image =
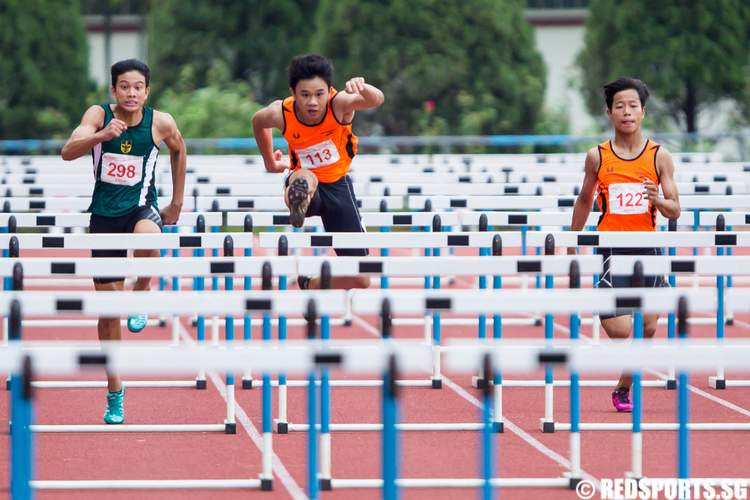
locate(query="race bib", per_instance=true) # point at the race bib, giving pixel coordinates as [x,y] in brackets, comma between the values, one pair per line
[319,155]
[628,198]
[123,170]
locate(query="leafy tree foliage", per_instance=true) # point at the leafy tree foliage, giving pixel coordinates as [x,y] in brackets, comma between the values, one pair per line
[220,109]
[467,67]
[690,53]
[43,68]
[255,38]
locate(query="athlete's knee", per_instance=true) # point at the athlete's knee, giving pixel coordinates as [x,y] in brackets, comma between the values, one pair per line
[362,282]
[617,328]
[649,331]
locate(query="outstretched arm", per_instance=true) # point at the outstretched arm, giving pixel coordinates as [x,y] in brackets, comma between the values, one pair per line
[178,160]
[87,134]
[669,203]
[357,95]
[264,121]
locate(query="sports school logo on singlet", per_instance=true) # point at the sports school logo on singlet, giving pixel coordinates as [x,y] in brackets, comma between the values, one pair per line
[627,198]
[122,170]
[318,155]
[126,146]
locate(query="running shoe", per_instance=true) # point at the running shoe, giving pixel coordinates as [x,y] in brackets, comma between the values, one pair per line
[621,400]
[303,282]
[299,199]
[137,322]
[115,413]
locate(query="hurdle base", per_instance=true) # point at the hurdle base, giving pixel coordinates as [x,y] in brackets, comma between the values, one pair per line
[247,383]
[717,383]
[282,427]
[537,321]
[7,384]
[631,475]
[498,427]
[201,384]
[729,321]
[478,382]
[325,484]
[266,484]
[230,427]
[572,481]
[162,322]
[437,383]
[671,384]
[547,426]
[347,322]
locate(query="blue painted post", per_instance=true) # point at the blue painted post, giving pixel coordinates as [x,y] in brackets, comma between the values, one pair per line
[390,433]
[488,467]
[683,407]
[574,280]
[384,251]
[312,441]
[671,382]
[637,443]
[283,251]
[548,424]
[325,390]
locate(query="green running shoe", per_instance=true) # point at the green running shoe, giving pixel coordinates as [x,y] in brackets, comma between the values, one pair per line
[115,413]
[137,322]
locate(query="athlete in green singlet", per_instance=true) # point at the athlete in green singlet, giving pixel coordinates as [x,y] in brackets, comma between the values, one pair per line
[124,140]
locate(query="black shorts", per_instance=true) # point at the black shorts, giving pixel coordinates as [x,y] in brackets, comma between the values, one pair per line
[607,280]
[336,205]
[122,224]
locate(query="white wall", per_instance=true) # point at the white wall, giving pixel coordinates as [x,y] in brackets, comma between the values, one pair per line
[559,46]
[124,45]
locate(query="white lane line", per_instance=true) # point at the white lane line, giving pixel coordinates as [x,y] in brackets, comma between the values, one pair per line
[278,467]
[536,444]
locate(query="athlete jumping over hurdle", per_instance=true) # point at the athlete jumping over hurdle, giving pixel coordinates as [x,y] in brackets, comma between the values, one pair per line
[627,173]
[316,122]
[124,140]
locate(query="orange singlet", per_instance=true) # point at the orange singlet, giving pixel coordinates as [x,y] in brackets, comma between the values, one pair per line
[622,197]
[326,148]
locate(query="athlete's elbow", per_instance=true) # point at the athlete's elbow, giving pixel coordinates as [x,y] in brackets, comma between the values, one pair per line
[67,154]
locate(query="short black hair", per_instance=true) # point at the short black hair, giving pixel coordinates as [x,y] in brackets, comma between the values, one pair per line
[621,84]
[309,66]
[121,67]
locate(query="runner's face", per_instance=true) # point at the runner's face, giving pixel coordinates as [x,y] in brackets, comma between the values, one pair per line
[627,113]
[311,98]
[131,91]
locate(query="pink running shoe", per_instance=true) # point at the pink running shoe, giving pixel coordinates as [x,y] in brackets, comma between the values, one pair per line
[621,400]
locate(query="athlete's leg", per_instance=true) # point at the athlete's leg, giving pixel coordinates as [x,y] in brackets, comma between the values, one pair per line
[109,329]
[143,283]
[301,187]
[619,328]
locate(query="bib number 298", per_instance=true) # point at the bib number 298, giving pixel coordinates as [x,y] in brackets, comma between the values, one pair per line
[122,170]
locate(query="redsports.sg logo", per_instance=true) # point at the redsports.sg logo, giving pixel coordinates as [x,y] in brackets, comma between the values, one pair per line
[668,489]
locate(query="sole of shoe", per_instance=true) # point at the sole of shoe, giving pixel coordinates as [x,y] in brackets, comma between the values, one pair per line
[298,195]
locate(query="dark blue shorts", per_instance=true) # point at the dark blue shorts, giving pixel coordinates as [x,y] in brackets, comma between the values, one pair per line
[122,224]
[607,280]
[336,205]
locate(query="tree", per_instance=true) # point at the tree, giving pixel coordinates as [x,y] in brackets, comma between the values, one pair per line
[220,109]
[466,67]
[690,53]
[255,38]
[43,68]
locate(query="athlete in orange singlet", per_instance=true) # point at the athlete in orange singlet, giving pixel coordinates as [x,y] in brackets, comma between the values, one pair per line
[627,173]
[316,121]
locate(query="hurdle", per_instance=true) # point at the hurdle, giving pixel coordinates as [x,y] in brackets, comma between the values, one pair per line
[178,303]
[297,357]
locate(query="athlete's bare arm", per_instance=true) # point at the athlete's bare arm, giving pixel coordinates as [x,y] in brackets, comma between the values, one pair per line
[268,118]
[669,203]
[357,95]
[168,132]
[585,199]
[90,133]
